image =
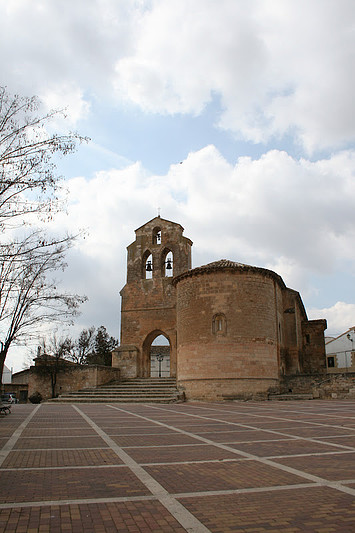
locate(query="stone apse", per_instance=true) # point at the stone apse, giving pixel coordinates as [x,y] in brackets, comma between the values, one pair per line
[234,330]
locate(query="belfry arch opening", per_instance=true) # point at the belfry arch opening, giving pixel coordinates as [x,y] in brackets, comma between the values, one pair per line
[167,264]
[159,356]
[147,265]
[156,236]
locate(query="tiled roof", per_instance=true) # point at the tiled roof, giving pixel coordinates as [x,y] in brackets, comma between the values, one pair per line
[226,264]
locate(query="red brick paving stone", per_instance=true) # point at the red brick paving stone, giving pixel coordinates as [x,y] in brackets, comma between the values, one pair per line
[8,430]
[335,420]
[179,454]
[319,431]
[142,517]
[313,510]
[240,436]
[62,484]
[61,432]
[276,424]
[286,447]
[60,442]
[197,477]
[344,441]
[60,458]
[155,440]
[154,430]
[55,424]
[197,423]
[331,467]
[207,428]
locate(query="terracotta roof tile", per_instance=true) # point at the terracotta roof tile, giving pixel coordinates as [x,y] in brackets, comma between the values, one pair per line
[226,264]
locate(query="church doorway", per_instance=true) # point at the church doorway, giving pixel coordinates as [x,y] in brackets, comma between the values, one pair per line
[160,357]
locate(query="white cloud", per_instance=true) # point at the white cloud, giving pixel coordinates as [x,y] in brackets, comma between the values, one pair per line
[69,98]
[279,66]
[340,317]
[49,45]
[293,217]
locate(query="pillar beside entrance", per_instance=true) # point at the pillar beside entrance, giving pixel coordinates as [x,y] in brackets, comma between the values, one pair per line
[126,359]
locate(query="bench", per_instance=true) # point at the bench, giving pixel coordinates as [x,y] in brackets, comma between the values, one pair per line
[5,408]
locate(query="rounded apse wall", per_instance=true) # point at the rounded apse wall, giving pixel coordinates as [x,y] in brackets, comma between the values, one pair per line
[227,330]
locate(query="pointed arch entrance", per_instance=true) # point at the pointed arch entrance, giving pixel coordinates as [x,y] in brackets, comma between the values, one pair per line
[156,355]
[160,357]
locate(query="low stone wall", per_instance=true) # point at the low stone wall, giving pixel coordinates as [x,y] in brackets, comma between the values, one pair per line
[320,386]
[226,389]
[72,378]
[323,386]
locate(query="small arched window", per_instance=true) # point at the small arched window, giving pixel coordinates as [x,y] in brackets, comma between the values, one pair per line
[156,236]
[219,324]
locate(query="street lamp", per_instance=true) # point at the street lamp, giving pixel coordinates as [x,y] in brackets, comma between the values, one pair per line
[160,358]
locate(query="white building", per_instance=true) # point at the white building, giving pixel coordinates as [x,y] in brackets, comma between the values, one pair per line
[6,375]
[340,352]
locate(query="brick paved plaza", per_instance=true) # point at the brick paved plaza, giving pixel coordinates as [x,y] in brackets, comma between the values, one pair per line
[232,467]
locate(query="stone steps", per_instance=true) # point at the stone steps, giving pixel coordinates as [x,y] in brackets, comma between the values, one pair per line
[152,390]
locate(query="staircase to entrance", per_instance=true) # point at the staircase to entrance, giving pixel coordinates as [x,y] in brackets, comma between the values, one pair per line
[139,390]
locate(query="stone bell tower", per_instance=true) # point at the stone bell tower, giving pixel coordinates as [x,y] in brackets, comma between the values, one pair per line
[148,309]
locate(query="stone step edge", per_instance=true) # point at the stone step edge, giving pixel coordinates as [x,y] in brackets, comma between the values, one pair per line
[113,400]
[98,396]
[127,391]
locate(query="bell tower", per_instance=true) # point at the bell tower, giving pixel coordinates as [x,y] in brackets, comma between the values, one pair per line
[159,253]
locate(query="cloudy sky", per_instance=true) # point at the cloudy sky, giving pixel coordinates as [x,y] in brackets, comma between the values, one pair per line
[236,118]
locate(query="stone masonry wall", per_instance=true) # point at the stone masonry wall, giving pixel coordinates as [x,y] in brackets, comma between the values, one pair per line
[247,349]
[149,305]
[323,386]
[72,378]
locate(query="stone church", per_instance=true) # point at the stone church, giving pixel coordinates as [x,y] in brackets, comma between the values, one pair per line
[229,329]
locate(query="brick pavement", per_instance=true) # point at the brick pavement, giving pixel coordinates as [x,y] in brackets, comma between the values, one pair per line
[248,467]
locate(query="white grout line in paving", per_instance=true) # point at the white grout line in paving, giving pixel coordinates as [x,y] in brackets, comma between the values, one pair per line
[10,444]
[263,460]
[86,501]
[319,413]
[339,485]
[178,495]
[175,508]
[81,467]
[274,431]
[57,449]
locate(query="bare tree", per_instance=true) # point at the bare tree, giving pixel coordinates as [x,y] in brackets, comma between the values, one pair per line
[27,162]
[83,347]
[29,295]
[29,185]
[51,358]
